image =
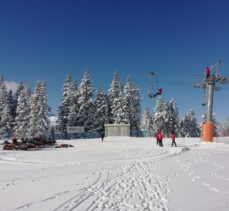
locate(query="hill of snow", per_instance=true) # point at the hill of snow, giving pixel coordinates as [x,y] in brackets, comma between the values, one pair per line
[120,173]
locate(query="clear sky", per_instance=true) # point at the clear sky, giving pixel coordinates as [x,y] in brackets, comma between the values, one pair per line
[177,39]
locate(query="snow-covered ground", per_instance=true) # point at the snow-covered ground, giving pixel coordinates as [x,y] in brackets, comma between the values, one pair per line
[117,174]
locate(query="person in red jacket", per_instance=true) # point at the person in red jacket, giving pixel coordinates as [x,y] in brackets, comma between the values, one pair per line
[159,138]
[173,137]
[207,72]
[159,92]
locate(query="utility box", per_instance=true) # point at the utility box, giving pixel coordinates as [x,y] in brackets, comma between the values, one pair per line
[117,130]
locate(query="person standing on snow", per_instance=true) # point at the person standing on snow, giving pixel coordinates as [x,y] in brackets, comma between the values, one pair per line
[207,72]
[173,137]
[102,135]
[159,137]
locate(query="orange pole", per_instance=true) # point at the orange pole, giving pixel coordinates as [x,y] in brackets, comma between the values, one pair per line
[207,131]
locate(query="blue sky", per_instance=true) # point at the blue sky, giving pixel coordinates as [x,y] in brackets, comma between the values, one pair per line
[46,40]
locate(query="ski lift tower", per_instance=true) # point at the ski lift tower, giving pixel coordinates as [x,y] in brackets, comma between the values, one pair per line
[210,85]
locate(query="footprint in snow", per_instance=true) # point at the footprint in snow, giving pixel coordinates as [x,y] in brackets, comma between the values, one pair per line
[195,178]
[214,189]
[205,184]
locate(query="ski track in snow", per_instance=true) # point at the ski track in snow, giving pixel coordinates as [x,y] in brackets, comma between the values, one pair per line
[132,187]
[128,184]
[198,157]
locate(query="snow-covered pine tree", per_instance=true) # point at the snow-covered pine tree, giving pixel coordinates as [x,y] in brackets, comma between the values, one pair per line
[114,93]
[132,107]
[34,110]
[39,124]
[73,116]
[101,111]
[86,111]
[43,122]
[159,116]
[172,122]
[11,104]
[189,126]
[64,107]
[118,112]
[224,129]
[3,95]
[136,112]
[20,87]
[128,102]
[22,113]
[147,122]
[5,126]
[5,113]
[74,106]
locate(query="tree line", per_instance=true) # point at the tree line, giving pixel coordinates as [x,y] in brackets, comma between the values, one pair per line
[26,113]
[79,107]
[165,118]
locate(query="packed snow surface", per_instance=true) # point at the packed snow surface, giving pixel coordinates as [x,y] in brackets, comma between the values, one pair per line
[121,173]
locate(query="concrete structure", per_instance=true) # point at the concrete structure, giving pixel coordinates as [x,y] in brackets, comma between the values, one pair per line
[117,130]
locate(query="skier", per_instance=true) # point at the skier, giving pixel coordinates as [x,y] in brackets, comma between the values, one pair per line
[102,136]
[159,137]
[173,137]
[207,72]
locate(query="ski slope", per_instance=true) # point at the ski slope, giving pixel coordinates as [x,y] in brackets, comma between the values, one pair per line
[121,173]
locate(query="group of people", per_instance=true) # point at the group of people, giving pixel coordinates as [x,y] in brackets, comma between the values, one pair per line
[159,138]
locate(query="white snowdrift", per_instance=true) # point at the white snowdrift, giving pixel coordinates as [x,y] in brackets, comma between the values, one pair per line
[117,174]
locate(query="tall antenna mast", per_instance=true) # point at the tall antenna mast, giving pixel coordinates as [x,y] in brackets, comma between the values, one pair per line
[211,84]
